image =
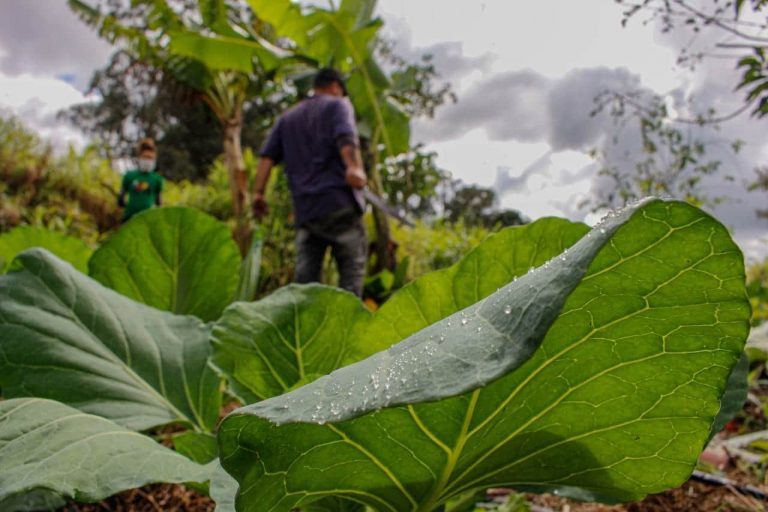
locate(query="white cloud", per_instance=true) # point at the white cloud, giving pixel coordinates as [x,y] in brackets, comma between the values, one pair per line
[36,101]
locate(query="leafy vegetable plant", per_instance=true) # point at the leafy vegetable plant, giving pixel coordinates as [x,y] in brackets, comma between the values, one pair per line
[596,376]
[551,358]
[66,247]
[176,259]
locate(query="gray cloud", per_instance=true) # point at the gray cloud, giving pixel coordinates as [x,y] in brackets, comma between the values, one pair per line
[450,61]
[572,99]
[45,37]
[448,56]
[506,183]
[509,106]
[526,106]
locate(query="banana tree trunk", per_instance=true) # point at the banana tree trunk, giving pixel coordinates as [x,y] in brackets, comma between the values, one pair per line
[238,181]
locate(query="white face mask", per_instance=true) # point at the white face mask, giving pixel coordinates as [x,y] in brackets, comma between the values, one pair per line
[146,164]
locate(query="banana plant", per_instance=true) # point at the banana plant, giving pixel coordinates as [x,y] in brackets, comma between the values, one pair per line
[551,358]
[344,38]
[202,64]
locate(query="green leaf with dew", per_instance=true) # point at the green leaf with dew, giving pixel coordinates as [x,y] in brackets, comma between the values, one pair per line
[597,375]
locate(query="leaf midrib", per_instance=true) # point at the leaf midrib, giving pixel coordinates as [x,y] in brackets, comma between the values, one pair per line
[141,383]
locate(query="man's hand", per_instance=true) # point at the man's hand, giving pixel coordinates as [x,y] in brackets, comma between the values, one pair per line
[260,206]
[356,177]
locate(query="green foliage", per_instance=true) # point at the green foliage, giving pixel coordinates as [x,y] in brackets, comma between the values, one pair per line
[616,404]
[49,446]
[436,246]
[250,269]
[286,340]
[175,259]
[757,288]
[755,80]
[279,249]
[639,323]
[740,23]
[196,446]
[65,337]
[735,395]
[71,194]
[68,248]
[673,163]
[411,181]
[475,206]
[210,195]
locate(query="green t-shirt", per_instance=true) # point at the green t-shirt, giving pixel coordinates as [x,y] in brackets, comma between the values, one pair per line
[143,188]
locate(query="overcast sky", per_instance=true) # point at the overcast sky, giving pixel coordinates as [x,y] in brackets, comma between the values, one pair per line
[526,78]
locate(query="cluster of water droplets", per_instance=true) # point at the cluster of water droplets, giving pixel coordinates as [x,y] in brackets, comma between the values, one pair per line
[407,366]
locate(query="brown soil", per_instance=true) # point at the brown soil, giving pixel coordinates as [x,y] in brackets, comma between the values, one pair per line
[690,497]
[151,498]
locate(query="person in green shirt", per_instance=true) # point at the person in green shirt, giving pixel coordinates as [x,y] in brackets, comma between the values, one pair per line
[143,186]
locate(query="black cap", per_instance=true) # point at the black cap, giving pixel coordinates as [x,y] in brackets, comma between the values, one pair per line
[328,76]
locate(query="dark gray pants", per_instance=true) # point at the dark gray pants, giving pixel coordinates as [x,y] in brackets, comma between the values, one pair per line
[344,233]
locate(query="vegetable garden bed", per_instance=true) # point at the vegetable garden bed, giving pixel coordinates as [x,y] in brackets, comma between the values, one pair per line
[593,364]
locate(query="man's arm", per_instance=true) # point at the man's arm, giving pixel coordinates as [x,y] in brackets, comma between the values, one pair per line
[260,207]
[353,161]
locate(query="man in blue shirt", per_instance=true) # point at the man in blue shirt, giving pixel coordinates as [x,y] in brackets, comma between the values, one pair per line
[318,144]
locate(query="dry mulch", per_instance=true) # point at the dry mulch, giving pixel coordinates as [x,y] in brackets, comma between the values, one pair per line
[690,497]
[150,498]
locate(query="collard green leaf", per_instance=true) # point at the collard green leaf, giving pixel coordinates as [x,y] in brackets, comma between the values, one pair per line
[223,487]
[259,347]
[47,447]
[68,248]
[293,336]
[66,337]
[735,394]
[633,333]
[33,501]
[176,259]
[196,446]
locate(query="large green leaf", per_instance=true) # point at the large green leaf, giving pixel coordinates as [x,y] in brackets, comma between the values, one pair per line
[177,259]
[223,487]
[47,447]
[33,501]
[230,53]
[213,52]
[634,331]
[362,10]
[64,336]
[285,17]
[291,337]
[65,247]
[300,333]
